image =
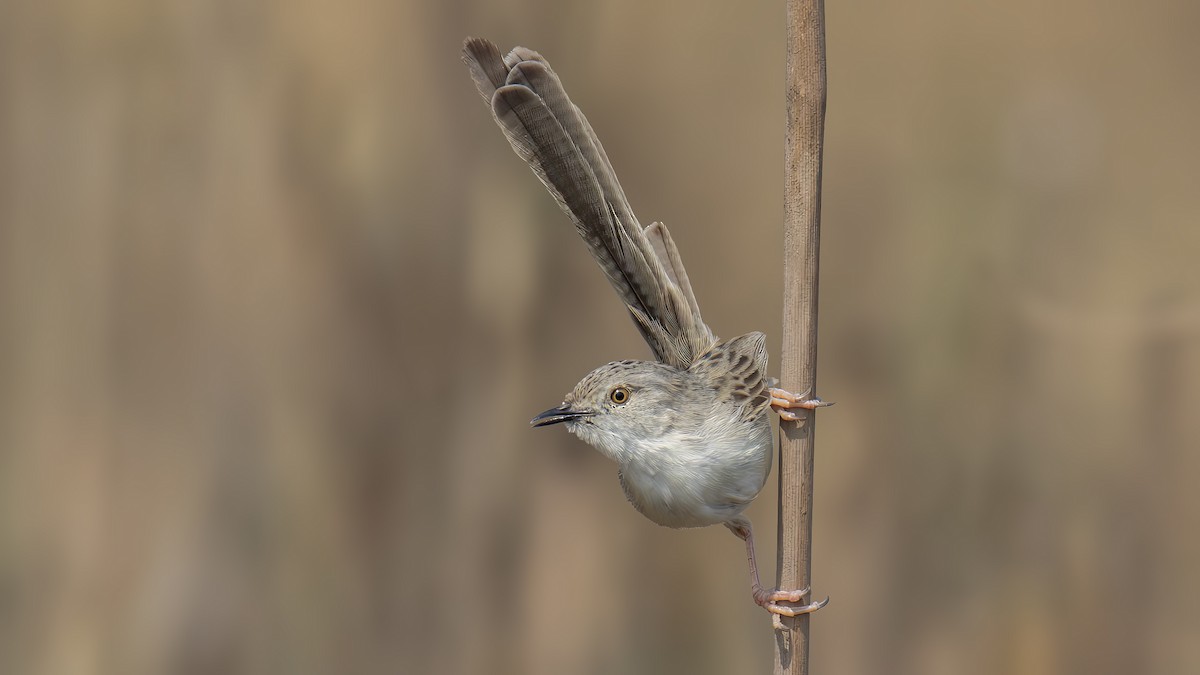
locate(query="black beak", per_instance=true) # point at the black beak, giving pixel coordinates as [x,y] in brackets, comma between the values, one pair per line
[555,415]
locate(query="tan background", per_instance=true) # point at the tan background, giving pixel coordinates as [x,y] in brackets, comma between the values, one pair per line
[277,301]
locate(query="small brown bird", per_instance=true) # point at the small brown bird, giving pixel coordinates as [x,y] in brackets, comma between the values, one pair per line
[691,431]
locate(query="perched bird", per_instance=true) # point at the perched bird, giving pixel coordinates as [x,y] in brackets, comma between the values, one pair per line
[690,431]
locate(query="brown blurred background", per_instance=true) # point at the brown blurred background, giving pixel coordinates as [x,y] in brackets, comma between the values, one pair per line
[277,302]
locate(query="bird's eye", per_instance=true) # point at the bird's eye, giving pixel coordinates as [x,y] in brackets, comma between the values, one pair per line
[619,395]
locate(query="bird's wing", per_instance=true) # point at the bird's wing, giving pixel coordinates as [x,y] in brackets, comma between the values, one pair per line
[736,369]
[549,132]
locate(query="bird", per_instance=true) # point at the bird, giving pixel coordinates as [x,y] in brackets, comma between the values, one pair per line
[689,431]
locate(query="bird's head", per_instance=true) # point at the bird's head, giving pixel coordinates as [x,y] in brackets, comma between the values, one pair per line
[622,404]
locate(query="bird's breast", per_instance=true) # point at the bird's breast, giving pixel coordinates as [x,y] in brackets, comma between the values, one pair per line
[699,477]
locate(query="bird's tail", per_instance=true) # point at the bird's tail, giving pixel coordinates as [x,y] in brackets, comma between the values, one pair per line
[551,134]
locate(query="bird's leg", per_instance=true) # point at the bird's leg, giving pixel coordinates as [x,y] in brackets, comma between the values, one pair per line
[782,401]
[765,598]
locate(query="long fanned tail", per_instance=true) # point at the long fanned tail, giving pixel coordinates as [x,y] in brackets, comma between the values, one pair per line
[551,134]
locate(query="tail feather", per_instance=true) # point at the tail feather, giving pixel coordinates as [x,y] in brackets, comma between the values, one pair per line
[551,134]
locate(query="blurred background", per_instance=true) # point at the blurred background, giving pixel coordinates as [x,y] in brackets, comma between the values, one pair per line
[277,302]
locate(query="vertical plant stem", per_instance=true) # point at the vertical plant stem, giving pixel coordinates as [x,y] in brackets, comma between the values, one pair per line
[801,241]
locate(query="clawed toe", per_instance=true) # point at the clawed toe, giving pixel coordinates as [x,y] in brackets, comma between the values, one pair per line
[765,597]
[787,610]
[788,596]
[770,601]
[782,401]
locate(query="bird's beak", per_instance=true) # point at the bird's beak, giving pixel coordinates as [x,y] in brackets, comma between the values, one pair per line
[562,413]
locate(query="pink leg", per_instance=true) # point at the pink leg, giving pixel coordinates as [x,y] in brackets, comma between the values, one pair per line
[782,401]
[769,599]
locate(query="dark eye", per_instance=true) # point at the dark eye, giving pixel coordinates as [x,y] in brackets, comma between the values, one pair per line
[619,395]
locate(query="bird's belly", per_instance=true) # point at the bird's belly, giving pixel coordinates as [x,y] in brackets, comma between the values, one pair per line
[696,486]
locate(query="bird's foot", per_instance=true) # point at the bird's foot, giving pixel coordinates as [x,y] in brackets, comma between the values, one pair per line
[770,599]
[783,401]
